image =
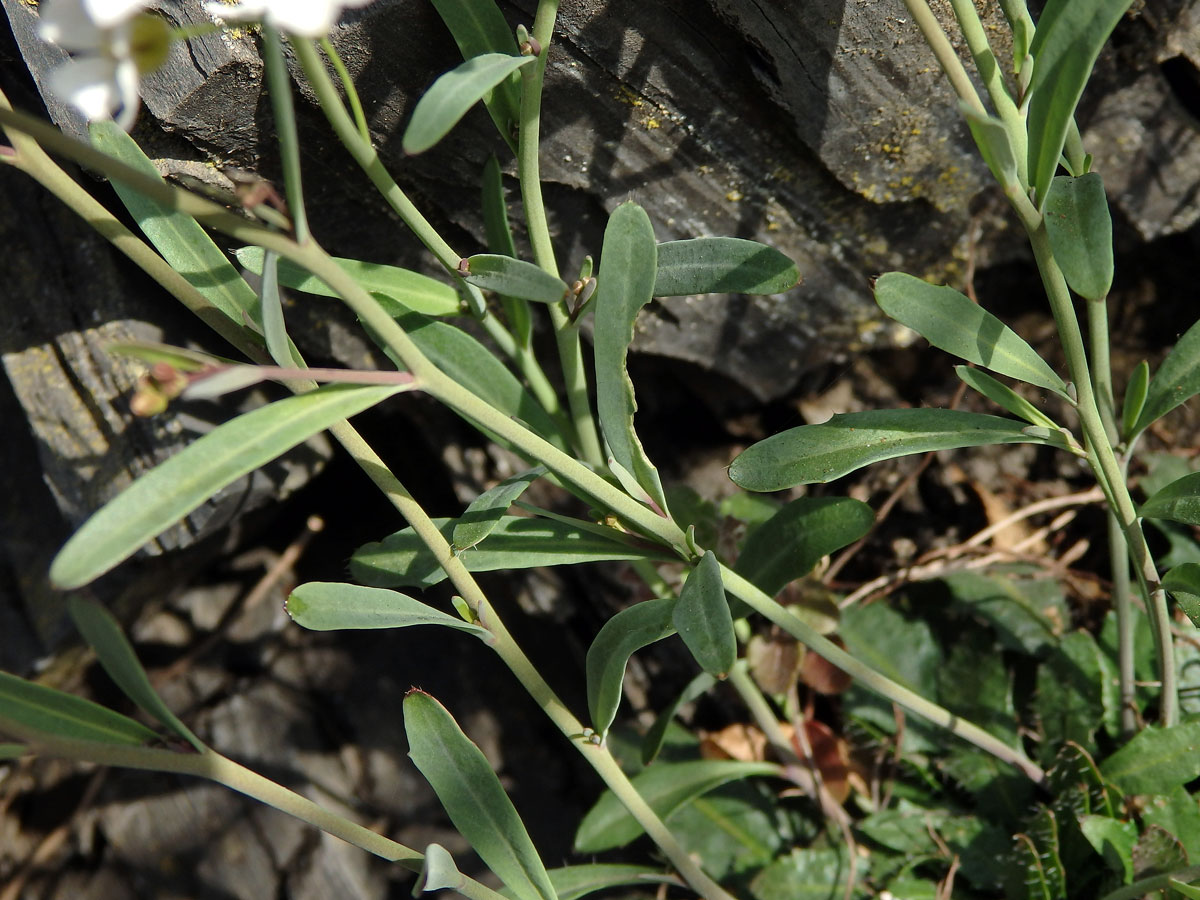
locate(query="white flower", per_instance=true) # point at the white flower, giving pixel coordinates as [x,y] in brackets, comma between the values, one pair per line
[112,41]
[304,18]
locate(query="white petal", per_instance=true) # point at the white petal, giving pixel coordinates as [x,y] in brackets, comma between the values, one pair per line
[90,85]
[248,10]
[67,23]
[306,18]
[107,13]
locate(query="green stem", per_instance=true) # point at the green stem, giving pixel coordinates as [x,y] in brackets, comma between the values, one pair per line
[510,652]
[1147,886]
[570,351]
[873,680]
[343,75]
[1106,468]
[280,91]
[364,154]
[993,80]
[951,65]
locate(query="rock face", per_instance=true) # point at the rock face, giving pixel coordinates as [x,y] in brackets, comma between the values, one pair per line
[822,127]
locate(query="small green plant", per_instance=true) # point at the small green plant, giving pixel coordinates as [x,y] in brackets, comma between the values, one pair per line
[1053,786]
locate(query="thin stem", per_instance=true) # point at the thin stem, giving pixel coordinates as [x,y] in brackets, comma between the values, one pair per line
[280,90]
[1147,886]
[364,154]
[343,75]
[526,673]
[566,335]
[951,65]
[993,80]
[1107,470]
[873,680]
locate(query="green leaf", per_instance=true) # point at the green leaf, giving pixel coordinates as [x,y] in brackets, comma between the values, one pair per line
[485,512]
[515,278]
[791,543]
[619,638]
[1003,396]
[1179,501]
[1157,851]
[1113,839]
[751,510]
[449,98]
[1069,699]
[1183,582]
[28,710]
[1028,614]
[1136,392]
[13,751]
[438,872]
[167,493]
[1156,759]
[1069,37]
[808,874]
[665,786]
[500,240]
[1038,854]
[702,618]
[654,738]
[975,684]
[472,365]
[518,542]
[177,236]
[472,796]
[479,27]
[849,441]
[327,606]
[1188,891]
[573,882]
[951,322]
[1080,231]
[279,345]
[736,829]
[995,146]
[625,284]
[1176,381]
[416,292]
[1177,812]
[721,265]
[116,655]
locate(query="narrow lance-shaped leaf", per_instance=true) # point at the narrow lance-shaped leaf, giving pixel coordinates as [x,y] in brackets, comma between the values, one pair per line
[472,365]
[951,322]
[177,236]
[702,618]
[1179,501]
[449,98]
[472,796]
[721,265]
[791,543]
[327,606]
[418,293]
[1176,381]
[1136,392]
[29,710]
[479,27]
[116,655]
[625,285]
[1183,582]
[517,542]
[620,637]
[173,489]
[666,787]
[1069,37]
[1003,396]
[271,303]
[514,277]
[1080,230]
[573,882]
[820,453]
[485,511]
